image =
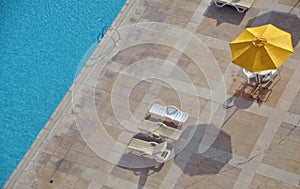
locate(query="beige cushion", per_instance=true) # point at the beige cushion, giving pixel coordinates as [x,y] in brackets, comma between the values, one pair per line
[161,129]
[244,3]
[147,147]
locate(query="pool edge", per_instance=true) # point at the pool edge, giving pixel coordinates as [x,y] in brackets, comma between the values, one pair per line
[66,100]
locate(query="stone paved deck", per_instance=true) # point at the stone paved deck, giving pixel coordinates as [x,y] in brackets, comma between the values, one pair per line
[174,52]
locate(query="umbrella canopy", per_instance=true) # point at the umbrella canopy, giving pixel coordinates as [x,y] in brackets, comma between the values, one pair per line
[261,48]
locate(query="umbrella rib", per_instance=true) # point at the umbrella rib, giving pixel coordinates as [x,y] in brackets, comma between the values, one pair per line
[270,51]
[268,54]
[247,48]
[277,46]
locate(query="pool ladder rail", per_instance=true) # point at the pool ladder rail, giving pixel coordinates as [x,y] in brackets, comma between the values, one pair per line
[112,36]
[107,31]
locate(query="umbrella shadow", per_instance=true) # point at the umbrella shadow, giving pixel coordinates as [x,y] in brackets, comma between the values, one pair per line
[285,21]
[218,154]
[227,14]
[144,173]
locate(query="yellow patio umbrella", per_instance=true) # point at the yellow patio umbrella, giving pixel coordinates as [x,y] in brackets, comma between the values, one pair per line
[261,48]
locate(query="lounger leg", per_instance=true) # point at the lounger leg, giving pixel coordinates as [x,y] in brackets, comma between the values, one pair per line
[176,123]
[142,153]
[219,4]
[241,10]
[271,77]
[256,78]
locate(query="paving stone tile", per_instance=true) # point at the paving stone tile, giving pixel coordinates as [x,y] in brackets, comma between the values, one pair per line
[229,175]
[55,185]
[47,172]
[72,155]
[59,177]
[225,31]
[83,160]
[106,187]
[61,152]
[113,132]
[34,168]
[67,141]
[40,183]
[76,170]
[65,166]
[74,132]
[27,179]
[70,181]
[283,151]
[50,148]
[42,158]
[21,186]
[125,174]
[244,128]
[294,108]
[260,181]
[95,185]
[222,57]
[82,183]
[97,176]
[78,145]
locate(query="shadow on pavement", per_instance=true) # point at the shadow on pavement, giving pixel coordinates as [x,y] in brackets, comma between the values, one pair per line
[144,173]
[212,160]
[227,14]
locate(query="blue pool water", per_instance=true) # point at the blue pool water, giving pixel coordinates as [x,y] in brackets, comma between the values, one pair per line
[41,46]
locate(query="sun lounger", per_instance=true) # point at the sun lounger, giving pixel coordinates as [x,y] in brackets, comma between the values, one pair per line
[157,150]
[162,157]
[171,112]
[240,5]
[150,148]
[222,3]
[243,5]
[161,129]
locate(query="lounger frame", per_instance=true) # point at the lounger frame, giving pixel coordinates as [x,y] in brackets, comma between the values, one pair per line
[240,5]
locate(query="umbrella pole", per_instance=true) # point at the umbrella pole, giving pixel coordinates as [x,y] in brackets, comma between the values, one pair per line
[257,78]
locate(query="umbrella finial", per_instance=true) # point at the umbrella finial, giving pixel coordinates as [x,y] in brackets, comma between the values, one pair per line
[259,41]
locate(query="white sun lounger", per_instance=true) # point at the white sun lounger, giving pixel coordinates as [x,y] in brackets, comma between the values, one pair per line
[243,5]
[157,150]
[222,3]
[240,5]
[171,112]
[161,129]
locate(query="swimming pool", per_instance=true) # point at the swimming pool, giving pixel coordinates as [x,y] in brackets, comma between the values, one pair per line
[42,43]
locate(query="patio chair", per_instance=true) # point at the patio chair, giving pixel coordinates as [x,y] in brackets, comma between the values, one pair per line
[160,129]
[171,112]
[269,76]
[249,75]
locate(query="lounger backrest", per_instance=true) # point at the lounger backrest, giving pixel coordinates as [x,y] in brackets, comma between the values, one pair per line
[168,132]
[160,148]
[141,145]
